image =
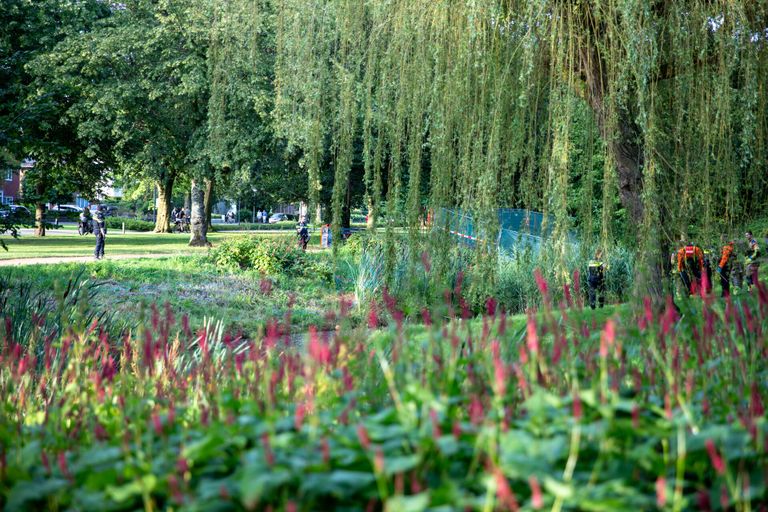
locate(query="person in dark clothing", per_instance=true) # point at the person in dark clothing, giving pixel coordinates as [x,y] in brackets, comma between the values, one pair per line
[752,261]
[727,255]
[596,280]
[100,230]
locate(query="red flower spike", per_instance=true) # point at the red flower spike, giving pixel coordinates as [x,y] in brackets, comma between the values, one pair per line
[173,485]
[476,413]
[661,492]
[298,419]
[714,457]
[373,317]
[504,492]
[456,430]
[325,449]
[577,411]
[490,306]
[537,501]
[532,338]
[46,463]
[702,499]
[378,460]
[436,431]
[362,436]
[541,283]
[62,462]
[425,262]
[724,497]
[268,455]
[426,317]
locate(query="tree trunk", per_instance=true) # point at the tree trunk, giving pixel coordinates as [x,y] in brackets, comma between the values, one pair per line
[623,142]
[208,200]
[371,217]
[39,219]
[164,196]
[198,224]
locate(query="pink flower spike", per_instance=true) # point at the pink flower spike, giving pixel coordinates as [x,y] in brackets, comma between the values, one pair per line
[362,436]
[541,283]
[661,491]
[532,338]
[577,411]
[536,500]
[714,457]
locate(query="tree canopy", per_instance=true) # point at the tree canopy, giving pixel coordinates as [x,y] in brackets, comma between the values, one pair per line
[485,101]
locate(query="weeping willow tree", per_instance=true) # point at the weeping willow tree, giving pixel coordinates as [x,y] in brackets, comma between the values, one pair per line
[473,105]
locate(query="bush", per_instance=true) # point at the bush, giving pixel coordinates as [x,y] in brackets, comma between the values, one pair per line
[249,226]
[130,224]
[268,256]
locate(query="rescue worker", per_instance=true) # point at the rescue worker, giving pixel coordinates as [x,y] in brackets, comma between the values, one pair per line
[727,257]
[100,230]
[690,265]
[707,284]
[737,268]
[596,280]
[752,262]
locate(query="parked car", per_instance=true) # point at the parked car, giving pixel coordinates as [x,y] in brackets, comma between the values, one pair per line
[66,208]
[107,209]
[16,210]
[279,217]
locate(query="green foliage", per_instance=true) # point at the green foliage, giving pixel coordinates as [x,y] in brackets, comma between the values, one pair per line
[564,412]
[130,224]
[249,226]
[269,256]
[35,314]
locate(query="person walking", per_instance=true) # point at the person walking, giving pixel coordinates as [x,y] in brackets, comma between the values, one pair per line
[727,255]
[100,230]
[596,280]
[752,262]
[690,265]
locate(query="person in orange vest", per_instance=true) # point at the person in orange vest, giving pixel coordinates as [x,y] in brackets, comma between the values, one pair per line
[690,265]
[727,257]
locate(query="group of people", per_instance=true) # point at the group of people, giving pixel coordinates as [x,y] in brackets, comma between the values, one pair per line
[262,216]
[180,218]
[695,266]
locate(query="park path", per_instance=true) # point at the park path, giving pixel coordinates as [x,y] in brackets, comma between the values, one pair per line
[18,262]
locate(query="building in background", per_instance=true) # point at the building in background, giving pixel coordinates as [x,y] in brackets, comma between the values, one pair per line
[12,182]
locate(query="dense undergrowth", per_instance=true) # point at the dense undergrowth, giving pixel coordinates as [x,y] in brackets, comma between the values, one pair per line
[412,280]
[651,411]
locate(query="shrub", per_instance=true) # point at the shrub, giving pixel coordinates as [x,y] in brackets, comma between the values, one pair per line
[249,226]
[130,224]
[266,255]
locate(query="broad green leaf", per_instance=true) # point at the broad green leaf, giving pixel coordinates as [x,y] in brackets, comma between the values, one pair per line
[416,503]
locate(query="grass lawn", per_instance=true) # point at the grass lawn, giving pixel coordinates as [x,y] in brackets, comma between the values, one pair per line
[194,286]
[53,245]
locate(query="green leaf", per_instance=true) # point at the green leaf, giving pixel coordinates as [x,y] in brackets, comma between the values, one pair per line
[145,484]
[258,482]
[416,503]
[401,464]
[26,493]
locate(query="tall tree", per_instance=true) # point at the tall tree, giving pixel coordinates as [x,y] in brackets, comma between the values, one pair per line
[32,107]
[483,97]
[142,73]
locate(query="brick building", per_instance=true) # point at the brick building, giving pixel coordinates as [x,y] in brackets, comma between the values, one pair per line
[11,179]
